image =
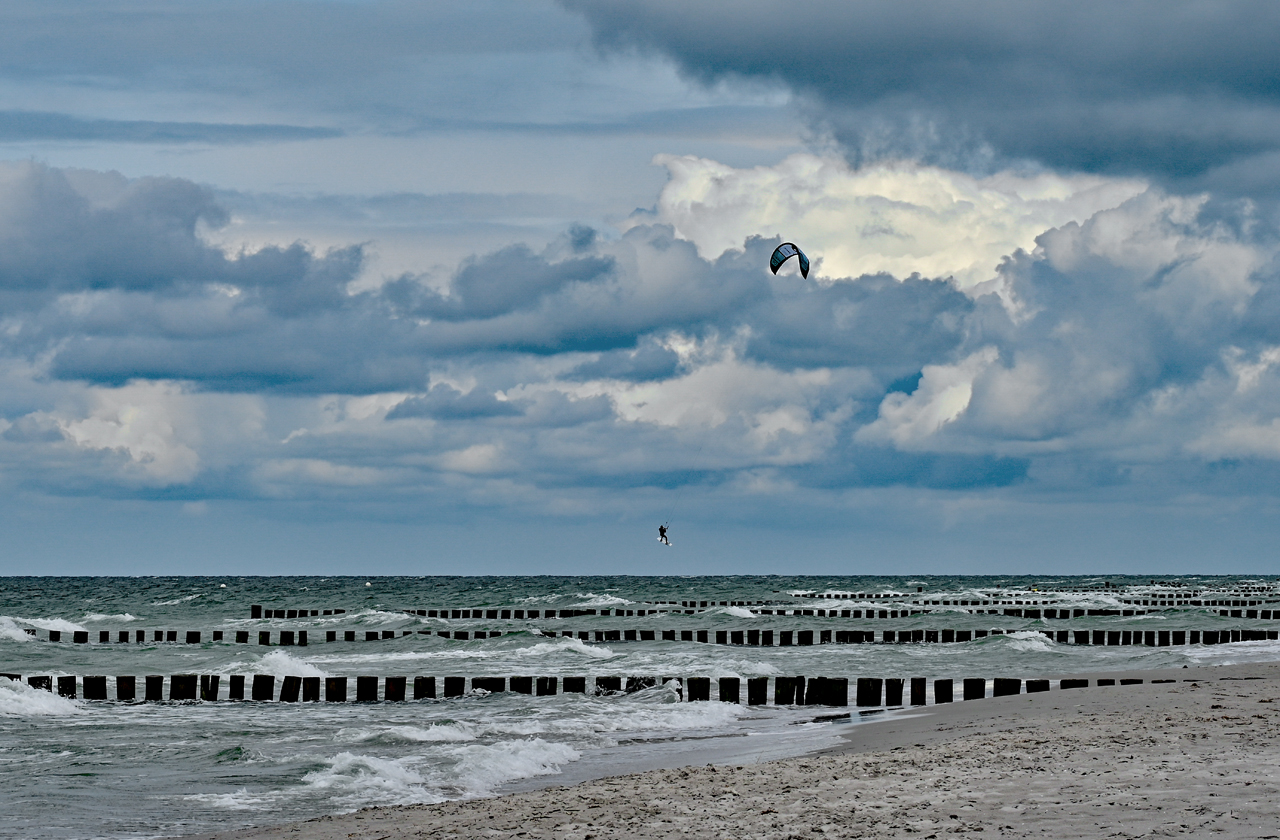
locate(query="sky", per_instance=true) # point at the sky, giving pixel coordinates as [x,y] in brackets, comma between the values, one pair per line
[370,287]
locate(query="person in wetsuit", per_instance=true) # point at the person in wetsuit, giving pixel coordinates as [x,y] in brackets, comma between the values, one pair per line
[662,535]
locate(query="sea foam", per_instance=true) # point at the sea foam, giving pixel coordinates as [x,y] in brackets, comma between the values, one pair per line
[19,700]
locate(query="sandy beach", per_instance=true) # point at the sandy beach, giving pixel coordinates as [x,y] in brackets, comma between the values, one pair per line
[1199,756]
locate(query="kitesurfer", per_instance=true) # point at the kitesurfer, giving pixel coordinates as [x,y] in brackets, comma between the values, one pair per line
[662,535]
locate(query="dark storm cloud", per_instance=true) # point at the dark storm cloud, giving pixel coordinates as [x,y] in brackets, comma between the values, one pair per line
[26,126]
[1165,89]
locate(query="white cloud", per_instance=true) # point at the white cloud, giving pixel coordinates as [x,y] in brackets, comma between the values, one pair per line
[151,422]
[898,218]
[943,395]
[480,458]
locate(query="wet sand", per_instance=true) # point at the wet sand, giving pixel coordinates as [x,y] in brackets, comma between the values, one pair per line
[1199,756]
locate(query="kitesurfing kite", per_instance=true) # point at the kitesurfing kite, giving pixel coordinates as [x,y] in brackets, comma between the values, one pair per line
[786,251]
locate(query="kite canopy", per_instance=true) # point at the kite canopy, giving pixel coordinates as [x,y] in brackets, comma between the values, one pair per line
[786,251]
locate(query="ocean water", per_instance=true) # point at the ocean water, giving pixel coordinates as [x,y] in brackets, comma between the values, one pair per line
[79,769]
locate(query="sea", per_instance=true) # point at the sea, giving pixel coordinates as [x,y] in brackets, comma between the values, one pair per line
[76,768]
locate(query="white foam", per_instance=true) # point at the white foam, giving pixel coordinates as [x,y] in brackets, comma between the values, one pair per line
[1029,640]
[51,624]
[484,768]
[281,664]
[379,616]
[175,601]
[439,733]
[20,700]
[665,717]
[10,630]
[737,612]
[357,780]
[593,600]
[241,800]
[565,644]
[120,617]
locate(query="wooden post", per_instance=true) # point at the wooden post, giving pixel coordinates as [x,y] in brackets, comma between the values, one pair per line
[893,692]
[424,688]
[1035,686]
[869,691]
[264,687]
[942,691]
[366,689]
[603,684]
[154,688]
[827,691]
[757,691]
[522,685]
[126,688]
[730,690]
[546,686]
[290,689]
[209,686]
[918,687]
[788,691]
[264,637]
[95,688]
[454,686]
[393,689]
[310,689]
[235,687]
[1005,686]
[335,689]
[193,637]
[574,685]
[698,688]
[635,684]
[975,688]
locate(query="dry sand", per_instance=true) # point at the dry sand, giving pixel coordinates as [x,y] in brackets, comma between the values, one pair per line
[1198,757]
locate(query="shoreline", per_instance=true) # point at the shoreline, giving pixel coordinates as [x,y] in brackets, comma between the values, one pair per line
[1197,755]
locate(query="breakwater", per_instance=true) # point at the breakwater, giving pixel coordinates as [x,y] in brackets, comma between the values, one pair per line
[759,691]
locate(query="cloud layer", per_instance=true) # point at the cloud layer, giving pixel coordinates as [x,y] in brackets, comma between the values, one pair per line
[1133,348]
[1170,91]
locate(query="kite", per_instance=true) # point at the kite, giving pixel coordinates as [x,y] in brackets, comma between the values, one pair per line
[786,251]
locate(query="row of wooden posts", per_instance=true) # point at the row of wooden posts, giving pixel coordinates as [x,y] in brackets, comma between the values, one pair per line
[787,691]
[1050,613]
[755,638]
